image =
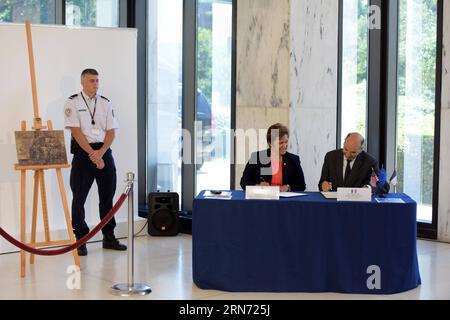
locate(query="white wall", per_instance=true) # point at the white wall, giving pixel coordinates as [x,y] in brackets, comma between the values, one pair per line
[61,53]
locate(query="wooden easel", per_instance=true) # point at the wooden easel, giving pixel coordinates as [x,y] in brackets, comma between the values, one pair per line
[39,182]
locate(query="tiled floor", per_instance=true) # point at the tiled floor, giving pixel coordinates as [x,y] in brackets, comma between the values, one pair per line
[165,264]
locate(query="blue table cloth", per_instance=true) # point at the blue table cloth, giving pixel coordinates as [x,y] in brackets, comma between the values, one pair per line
[304,244]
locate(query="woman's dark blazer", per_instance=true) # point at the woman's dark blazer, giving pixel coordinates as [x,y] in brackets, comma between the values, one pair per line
[258,170]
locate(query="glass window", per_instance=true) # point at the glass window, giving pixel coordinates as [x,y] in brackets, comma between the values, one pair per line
[165,51]
[94,13]
[42,12]
[416,102]
[213,116]
[355,33]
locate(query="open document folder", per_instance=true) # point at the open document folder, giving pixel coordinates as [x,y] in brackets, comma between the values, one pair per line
[224,195]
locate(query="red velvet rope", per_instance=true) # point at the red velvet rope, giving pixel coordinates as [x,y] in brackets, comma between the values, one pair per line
[72,247]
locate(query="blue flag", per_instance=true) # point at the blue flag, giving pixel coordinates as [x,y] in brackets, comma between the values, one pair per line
[382,176]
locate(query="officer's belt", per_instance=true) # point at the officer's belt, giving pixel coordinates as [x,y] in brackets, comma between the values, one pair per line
[96,146]
[75,147]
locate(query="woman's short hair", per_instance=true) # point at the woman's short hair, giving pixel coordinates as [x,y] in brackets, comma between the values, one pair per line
[280,132]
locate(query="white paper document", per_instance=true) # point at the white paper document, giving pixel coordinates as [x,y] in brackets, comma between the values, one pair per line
[329,195]
[291,194]
[224,195]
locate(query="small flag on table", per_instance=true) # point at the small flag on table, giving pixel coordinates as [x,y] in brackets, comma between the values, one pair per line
[374,179]
[393,179]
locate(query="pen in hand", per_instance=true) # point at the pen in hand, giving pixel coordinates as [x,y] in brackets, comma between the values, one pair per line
[263,182]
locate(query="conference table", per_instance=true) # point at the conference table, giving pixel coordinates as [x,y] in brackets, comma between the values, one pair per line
[305,244]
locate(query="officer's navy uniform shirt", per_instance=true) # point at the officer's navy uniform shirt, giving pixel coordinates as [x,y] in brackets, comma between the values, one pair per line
[81,114]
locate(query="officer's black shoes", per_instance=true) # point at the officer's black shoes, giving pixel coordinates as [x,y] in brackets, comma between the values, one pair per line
[82,251]
[110,242]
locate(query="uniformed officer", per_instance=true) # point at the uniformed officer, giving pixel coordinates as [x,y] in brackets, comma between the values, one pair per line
[90,117]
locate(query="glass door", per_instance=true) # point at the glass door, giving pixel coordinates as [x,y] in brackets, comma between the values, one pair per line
[213,114]
[416,103]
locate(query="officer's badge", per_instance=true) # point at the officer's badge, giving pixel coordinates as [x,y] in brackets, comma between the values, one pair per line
[68,112]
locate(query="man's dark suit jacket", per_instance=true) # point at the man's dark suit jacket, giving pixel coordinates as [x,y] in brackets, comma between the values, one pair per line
[292,171]
[332,170]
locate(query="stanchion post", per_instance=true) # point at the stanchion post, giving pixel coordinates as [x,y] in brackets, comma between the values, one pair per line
[131,288]
[130,179]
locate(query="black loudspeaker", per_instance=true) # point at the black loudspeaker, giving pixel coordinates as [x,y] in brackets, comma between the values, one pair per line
[163,214]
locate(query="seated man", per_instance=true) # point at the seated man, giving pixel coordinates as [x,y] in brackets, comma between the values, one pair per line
[350,167]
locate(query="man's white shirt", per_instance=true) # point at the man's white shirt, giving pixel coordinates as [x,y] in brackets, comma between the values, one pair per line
[94,116]
[345,165]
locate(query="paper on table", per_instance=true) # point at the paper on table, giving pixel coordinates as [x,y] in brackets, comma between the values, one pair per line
[291,194]
[329,195]
[389,200]
[226,195]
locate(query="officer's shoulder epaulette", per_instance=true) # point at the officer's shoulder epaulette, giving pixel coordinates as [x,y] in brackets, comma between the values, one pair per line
[105,98]
[74,96]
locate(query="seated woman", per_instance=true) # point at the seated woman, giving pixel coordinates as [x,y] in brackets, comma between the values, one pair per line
[275,166]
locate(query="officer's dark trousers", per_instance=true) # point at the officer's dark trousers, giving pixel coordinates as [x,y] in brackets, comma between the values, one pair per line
[82,175]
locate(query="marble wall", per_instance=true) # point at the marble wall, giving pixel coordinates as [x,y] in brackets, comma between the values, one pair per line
[314,71]
[287,62]
[292,47]
[263,67]
[444,171]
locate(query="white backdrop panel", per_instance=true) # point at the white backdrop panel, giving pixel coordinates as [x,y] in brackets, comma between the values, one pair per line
[61,53]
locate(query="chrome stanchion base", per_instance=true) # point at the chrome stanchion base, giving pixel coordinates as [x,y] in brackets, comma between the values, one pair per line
[123,290]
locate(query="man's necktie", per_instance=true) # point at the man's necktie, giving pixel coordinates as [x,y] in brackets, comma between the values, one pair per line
[348,169]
